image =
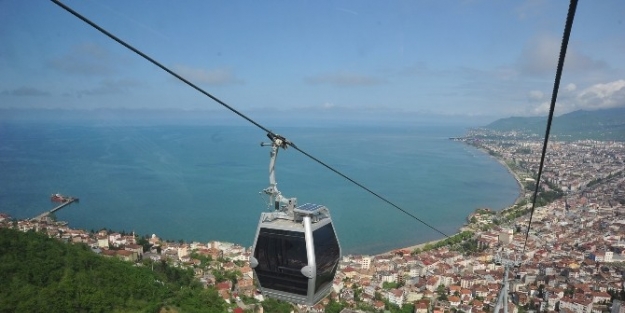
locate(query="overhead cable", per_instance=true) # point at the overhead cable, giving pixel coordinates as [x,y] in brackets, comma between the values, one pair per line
[556,85]
[269,132]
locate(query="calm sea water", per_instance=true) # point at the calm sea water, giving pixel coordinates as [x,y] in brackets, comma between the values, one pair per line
[201,183]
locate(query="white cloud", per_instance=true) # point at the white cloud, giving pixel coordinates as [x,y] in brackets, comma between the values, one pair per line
[352,12]
[540,57]
[110,87]
[86,59]
[24,91]
[603,96]
[343,79]
[570,87]
[542,109]
[219,76]
[595,97]
[530,8]
[536,95]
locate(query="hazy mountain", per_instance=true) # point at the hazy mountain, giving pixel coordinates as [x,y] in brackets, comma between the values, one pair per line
[606,124]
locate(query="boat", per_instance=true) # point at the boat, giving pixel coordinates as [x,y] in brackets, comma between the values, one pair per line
[57,197]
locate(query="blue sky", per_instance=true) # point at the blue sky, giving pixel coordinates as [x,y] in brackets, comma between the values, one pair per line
[485,59]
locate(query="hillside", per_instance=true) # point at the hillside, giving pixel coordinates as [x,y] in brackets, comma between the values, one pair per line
[40,274]
[598,125]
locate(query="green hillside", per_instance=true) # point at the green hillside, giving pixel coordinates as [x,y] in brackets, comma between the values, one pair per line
[598,125]
[40,274]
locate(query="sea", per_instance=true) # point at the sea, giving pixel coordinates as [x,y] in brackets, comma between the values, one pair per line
[204,182]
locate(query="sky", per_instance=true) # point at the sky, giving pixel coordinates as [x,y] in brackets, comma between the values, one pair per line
[461,59]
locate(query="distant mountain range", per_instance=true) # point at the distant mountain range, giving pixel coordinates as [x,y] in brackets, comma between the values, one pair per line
[606,124]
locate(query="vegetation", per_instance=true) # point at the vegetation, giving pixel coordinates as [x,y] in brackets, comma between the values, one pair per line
[390,285]
[40,274]
[599,180]
[406,308]
[277,306]
[334,307]
[595,125]
[441,291]
[456,242]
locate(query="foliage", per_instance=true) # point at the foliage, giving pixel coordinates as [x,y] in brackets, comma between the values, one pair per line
[223,275]
[334,307]
[456,239]
[142,241]
[277,306]
[247,300]
[389,285]
[442,292]
[604,125]
[40,274]
[406,308]
[469,246]
[205,259]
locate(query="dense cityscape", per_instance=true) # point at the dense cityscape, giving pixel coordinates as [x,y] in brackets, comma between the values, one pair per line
[571,260]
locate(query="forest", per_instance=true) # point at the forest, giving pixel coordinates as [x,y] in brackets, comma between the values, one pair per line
[41,274]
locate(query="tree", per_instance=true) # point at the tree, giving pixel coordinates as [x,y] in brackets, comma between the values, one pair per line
[442,292]
[357,293]
[277,306]
[61,277]
[389,285]
[378,296]
[334,307]
[144,243]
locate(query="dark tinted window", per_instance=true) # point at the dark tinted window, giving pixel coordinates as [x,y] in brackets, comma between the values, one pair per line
[281,255]
[326,254]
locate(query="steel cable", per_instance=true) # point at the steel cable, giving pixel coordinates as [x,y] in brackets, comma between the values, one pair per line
[556,85]
[269,132]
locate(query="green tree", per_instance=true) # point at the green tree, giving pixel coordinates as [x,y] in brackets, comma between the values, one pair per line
[334,307]
[277,306]
[388,285]
[39,274]
[442,292]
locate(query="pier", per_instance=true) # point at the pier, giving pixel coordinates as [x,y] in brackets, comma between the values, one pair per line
[67,201]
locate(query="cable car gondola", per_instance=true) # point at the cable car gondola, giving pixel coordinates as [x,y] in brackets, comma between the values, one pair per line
[296,252]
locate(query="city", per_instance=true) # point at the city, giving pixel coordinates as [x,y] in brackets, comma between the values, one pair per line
[571,260]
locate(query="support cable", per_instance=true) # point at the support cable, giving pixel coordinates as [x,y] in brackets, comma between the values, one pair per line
[556,85]
[269,132]
[163,67]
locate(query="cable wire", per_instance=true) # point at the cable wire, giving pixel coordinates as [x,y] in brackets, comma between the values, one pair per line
[163,67]
[556,85]
[269,132]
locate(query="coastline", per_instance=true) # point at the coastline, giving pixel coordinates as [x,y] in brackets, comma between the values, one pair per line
[176,185]
[464,227]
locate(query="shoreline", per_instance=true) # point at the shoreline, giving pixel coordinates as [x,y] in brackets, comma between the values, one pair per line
[464,227]
[431,242]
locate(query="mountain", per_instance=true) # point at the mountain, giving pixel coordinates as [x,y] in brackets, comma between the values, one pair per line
[606,124]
